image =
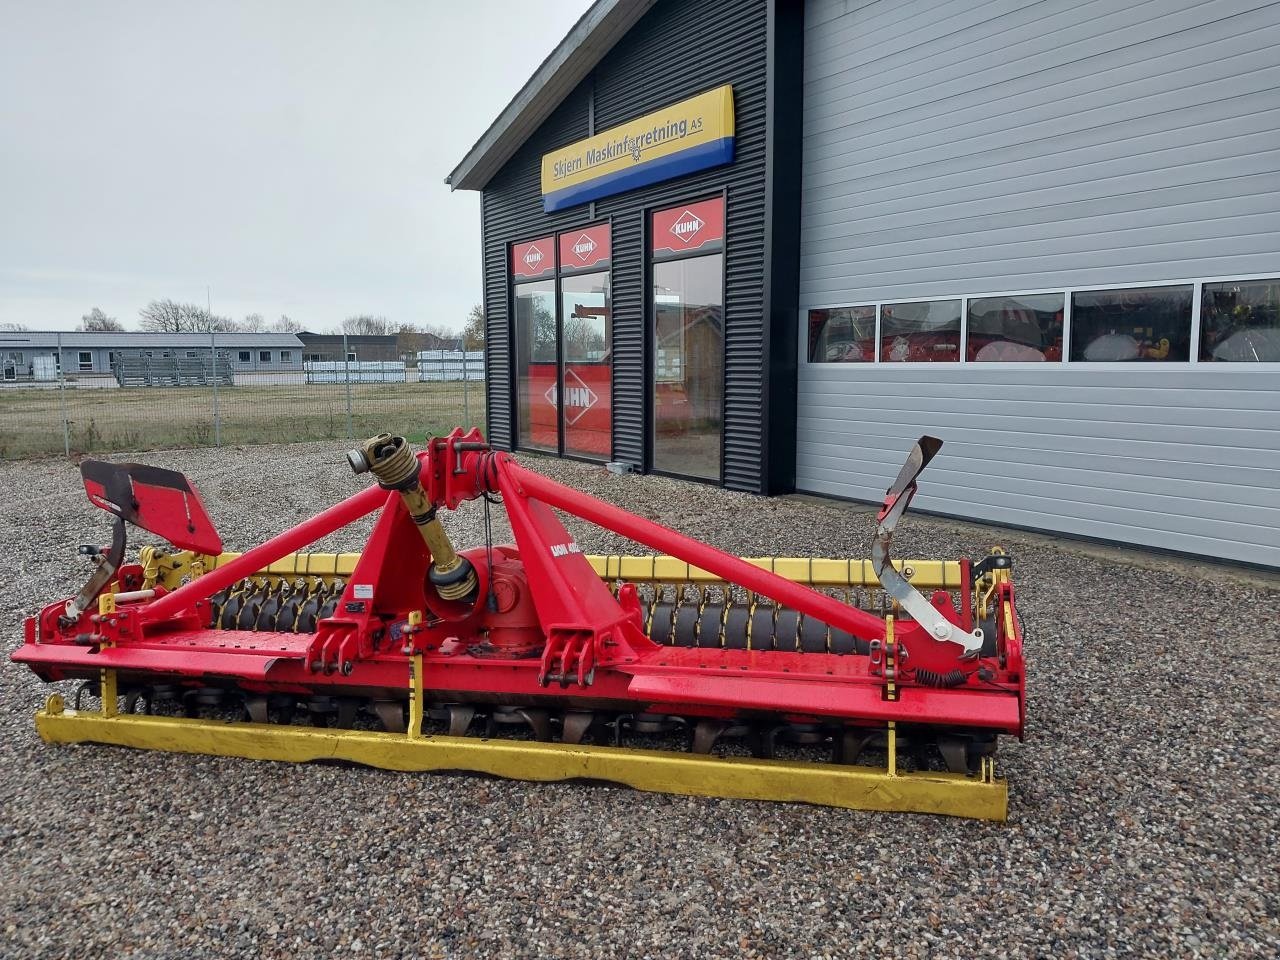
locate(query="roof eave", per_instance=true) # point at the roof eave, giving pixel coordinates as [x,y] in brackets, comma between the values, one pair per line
[573,59]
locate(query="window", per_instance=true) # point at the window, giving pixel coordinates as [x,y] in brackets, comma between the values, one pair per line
[588,383]
[687,247]
[1240,321]
[537,402]
[286,356]
[1025,328]
[85,360]
[1142,324]
[264,356]
[191,354]
[921,332]
[351,357]
[244,356]
[842,335]
[688,357]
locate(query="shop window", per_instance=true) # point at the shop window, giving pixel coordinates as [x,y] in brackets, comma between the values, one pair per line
[842,334]
[85,359]
[563,332]
[535,333]
[1240,321]
[1138,324]
[1017,329]
[586,337]
[920,332]
[244,356]
[688,339]
[533,270]
[586,328]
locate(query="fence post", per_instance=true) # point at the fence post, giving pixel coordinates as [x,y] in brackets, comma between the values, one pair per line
[466,400]
[62,401]
[217,415]
[346,365]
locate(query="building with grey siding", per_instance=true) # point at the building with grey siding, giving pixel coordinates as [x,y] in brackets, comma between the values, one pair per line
[339,347]
[767,243]
[25,355]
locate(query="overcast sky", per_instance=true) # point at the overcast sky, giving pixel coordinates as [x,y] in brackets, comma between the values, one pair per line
[289,155]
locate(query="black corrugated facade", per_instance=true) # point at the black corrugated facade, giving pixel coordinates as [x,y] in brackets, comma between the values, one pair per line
[678,49]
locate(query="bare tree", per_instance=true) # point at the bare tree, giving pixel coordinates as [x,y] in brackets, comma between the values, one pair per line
[252,323]
[440,335]
[164,316]
[473,329]
[169,316]
[202,321]
[544,334]
[13,328]
[95,321]
[413,338]
[367,325]
[410,340]
[286,325]
[582,340]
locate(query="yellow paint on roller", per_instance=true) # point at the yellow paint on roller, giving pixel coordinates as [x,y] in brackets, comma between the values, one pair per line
[851,787]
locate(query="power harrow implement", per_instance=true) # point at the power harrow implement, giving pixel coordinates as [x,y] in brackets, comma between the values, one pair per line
[872,684]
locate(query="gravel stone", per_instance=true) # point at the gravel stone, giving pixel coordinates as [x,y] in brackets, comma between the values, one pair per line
[1143,804]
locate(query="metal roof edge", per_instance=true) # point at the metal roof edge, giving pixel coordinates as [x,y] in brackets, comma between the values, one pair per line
[573,59]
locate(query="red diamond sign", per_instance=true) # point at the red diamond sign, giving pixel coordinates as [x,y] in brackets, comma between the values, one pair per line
[532,257]
[578,398]
[583,247]
[686,226]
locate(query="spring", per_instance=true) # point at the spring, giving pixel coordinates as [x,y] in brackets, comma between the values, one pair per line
[933,678]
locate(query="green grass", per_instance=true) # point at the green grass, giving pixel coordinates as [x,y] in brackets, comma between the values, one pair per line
[101,421]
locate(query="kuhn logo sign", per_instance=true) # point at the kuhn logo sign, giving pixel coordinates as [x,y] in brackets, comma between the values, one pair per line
[578,398]
[585,249]
[690,227]
[687,226]
[535,258]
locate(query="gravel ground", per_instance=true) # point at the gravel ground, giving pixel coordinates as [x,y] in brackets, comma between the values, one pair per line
[1143,804]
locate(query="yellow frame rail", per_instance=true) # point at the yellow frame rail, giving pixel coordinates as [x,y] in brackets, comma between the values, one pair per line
[856,788]
[170,569]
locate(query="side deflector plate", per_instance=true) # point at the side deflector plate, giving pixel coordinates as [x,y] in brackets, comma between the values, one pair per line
[163,502]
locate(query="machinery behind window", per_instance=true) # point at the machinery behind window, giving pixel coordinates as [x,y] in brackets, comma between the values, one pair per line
[873,684]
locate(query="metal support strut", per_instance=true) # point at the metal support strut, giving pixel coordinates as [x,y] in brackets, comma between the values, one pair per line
[895,584]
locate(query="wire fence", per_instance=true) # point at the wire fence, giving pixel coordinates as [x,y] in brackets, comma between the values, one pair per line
[163,398]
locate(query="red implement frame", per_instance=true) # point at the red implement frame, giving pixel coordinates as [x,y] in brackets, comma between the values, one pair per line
[593,645]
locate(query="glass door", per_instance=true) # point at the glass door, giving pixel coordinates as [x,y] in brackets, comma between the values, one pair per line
[534,336]
[586,337]
[562,328]
[687,398]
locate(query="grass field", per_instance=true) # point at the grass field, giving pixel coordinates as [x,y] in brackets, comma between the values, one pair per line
[31,420]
